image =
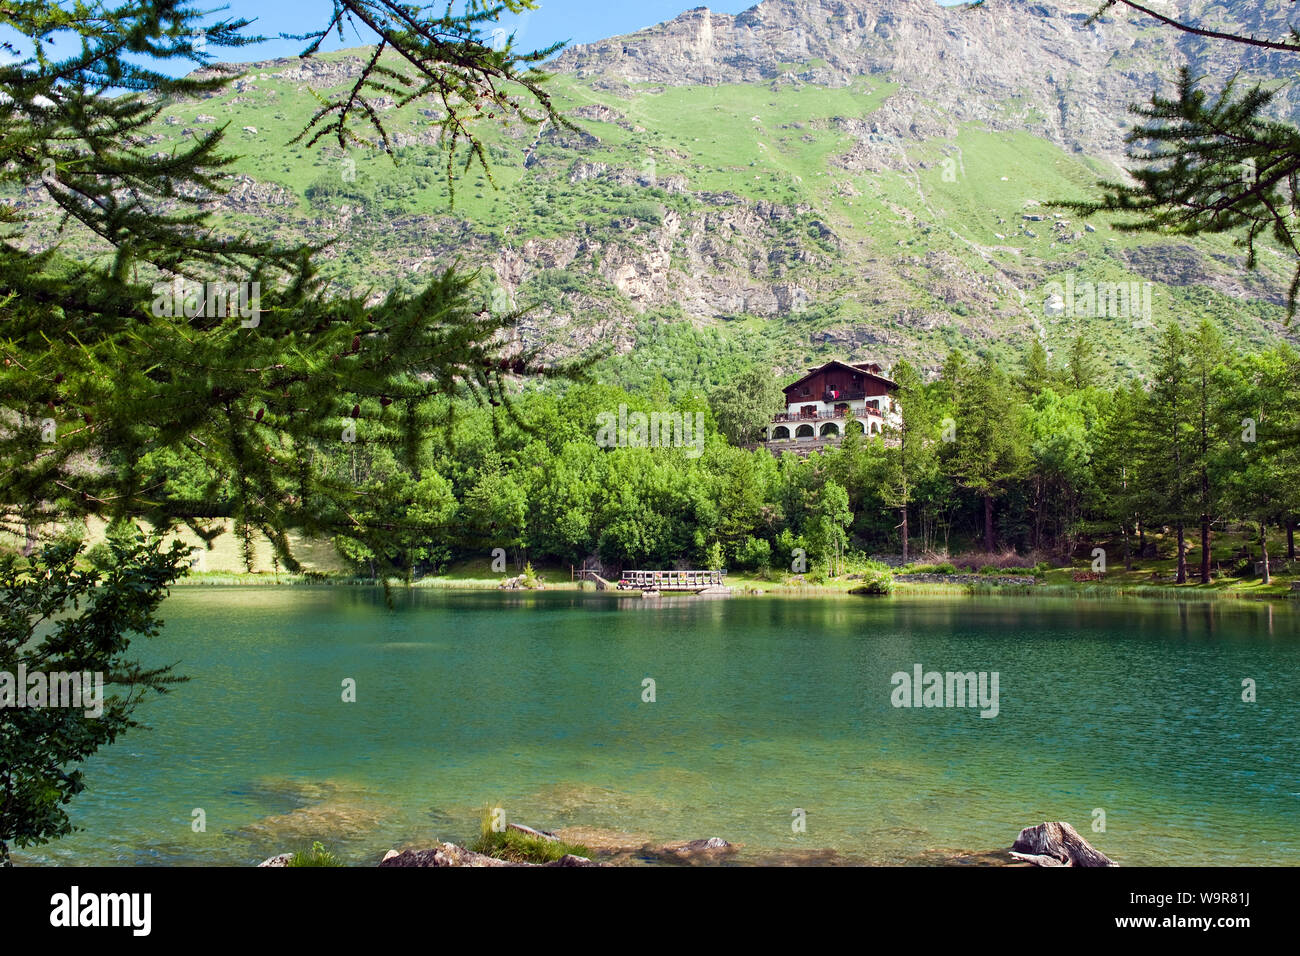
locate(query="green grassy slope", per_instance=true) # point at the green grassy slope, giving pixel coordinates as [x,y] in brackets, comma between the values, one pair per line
[912,248]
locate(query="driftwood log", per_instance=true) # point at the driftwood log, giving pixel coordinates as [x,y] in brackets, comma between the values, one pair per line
[1056,844]
[529,831]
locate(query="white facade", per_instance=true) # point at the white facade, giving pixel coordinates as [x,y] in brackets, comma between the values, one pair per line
[818,406]
[826,423]
[858,407]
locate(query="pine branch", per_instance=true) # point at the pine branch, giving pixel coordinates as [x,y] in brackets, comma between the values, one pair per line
[1210,166]
[1290,46]
[98,383]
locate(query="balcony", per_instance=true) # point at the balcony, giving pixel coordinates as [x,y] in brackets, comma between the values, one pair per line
[838,414]
[851,395]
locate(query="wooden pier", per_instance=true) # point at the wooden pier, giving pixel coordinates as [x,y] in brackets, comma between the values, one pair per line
[694,582]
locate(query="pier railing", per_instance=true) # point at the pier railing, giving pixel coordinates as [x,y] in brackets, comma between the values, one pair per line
[670,580]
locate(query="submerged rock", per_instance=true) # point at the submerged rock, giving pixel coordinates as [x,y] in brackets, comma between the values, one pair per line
[693,852]
[448,854]
[605,843]
[699,846]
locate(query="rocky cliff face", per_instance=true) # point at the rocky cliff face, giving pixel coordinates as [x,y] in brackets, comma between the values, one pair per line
[1011,64]
[861,177]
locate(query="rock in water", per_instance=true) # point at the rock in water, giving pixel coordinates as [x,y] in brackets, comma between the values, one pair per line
[1056,844]
[712,843]
[448,854]
[693,850]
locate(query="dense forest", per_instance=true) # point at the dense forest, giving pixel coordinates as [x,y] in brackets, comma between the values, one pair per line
[414,428]
[1044,460]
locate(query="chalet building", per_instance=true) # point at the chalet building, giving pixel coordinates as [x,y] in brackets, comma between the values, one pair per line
[834,399]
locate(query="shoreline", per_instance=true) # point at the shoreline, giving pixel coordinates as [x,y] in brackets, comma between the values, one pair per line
[757,588]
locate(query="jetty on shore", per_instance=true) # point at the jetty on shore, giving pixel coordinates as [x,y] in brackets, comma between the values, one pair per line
[688,582]
[654,583]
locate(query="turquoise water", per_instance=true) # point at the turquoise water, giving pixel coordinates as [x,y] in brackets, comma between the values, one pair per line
[533,703]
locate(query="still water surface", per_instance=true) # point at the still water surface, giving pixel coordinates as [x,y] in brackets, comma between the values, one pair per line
[534,703]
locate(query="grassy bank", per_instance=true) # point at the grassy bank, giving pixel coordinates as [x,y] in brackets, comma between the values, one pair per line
[222,566]
[1055,582]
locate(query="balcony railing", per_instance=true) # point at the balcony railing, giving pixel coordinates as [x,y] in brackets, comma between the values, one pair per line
[837,414]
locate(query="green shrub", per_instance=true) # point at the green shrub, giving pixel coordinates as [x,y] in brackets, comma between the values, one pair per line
[946,568]
[559,280]
[714,559]
[331,189]
[521,847]
[876,582]
[316,856]
[755,553]
[862,564]
[651,212]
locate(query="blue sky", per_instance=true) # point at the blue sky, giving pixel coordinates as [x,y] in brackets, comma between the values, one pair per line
[576,21]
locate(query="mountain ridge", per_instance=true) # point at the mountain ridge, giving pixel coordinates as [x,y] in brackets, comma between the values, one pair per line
[887,200]
[933,50]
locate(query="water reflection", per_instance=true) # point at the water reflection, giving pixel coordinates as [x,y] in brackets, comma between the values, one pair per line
[532,701]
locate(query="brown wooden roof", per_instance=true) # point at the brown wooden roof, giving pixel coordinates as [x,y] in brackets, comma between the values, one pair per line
[864,368]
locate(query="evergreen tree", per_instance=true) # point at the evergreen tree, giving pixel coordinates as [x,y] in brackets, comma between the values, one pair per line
[989,448]
[1081,363]
[1260,462]
[173,339]
[223,350]
[1037,374]
[1124,493]
[1205,355]
[1168,437]
[1060,447]
[743,406]
[1206,164]
[913,457]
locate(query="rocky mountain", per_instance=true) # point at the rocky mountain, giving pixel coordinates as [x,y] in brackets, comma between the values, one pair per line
[868,178]
[952,64]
